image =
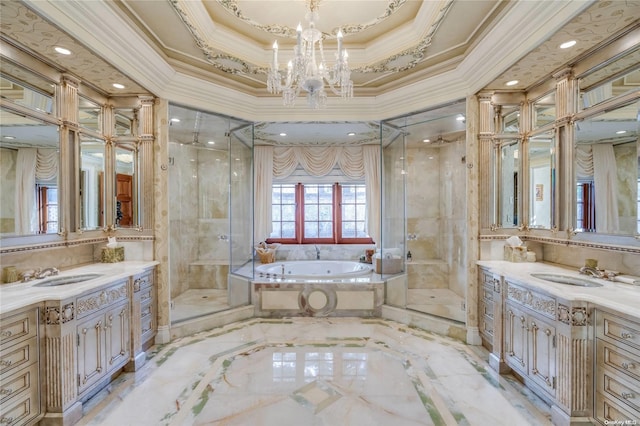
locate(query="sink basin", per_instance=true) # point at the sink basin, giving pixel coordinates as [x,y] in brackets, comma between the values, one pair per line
[69,279]
[567,279]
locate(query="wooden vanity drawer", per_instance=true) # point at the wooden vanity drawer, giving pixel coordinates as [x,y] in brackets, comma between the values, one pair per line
[621,390]
[487,293]
[618,329]
[487,310]
[22,409]
[609,412]
[487,325]
[101,299]
[625,362]
[142,281]
[19,382]
[18,327]
[18,356]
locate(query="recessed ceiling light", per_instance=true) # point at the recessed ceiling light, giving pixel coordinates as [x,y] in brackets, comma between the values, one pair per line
[460,118]
[568,44]
[283,134]
[118,85]
[211,142]
[8,137]
[351,134]
[175,120]
[511,83]
[62,51]
[426,140]
[621,132]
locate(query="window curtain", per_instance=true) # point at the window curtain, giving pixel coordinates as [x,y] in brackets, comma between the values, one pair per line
[605,182]
[32,166]
[355,162]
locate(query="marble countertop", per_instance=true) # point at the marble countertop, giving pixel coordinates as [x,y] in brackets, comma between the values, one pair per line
[17,295]
[624,298]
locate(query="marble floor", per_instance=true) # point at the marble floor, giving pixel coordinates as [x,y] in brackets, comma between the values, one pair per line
[315,371]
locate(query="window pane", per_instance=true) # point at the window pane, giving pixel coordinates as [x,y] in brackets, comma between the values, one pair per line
[348,212]
[325,194]
[275,213]
[288,229]
[310,213]
[348,230]
[288,212]
[326,229]
[310,194]
[311,229]
[326,212]
[276,230]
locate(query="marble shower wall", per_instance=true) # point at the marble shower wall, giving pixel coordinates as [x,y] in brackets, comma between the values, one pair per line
[198,220]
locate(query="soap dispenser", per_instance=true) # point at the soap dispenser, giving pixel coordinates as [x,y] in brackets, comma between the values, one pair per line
[409,256]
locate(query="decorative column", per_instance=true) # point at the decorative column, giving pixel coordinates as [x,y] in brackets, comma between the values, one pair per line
[566,107]
[67,107]
[161,217]
[475,188]
[485,132]
[146,139]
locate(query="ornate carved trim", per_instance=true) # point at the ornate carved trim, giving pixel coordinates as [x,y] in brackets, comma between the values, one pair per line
[105,298]
[565,242]
[563,314]
[545,306]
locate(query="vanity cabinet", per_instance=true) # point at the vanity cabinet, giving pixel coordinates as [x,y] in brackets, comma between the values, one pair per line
[103,340]
[530,346]
[143,317]
[617,368]
[486,308]
[19,368]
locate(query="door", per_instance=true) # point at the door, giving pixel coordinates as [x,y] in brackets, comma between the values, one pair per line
[117,336]
[542,354]
[515,338]
[124,200]
[91,353]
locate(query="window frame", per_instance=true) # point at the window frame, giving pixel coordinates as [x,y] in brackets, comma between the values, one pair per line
[337,237]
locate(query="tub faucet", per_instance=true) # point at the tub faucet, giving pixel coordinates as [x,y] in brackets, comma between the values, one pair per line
[317,253]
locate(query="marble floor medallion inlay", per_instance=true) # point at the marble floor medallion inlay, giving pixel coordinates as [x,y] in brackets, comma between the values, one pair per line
[315,371]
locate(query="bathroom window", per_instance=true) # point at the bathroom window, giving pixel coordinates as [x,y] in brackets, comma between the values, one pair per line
[319,213]
[47,208]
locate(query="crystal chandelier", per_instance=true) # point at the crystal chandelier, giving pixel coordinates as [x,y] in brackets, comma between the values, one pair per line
[308,70]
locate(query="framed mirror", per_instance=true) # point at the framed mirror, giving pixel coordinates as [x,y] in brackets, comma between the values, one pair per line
[89,114]
[91,178]
[510,119]
[29,175]
[125,122]
[607,166]
[544,110]
[126,188]
[508,183]
[618,78]
[540,156]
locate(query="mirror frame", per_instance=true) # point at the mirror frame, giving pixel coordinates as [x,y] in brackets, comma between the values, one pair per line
[500,144]
[528,192]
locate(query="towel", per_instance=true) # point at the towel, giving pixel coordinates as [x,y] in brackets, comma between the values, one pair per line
[627,279]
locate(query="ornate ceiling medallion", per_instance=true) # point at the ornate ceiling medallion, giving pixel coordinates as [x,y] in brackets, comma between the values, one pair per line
[233,8]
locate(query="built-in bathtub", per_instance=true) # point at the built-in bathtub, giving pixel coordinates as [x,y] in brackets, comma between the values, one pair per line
[317,288]
[313,269]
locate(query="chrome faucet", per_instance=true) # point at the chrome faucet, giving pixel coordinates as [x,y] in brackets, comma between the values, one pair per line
[317,253]
[594,272]
[46,272]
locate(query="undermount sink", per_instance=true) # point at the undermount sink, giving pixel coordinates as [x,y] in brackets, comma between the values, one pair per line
[69,279]
[567,279]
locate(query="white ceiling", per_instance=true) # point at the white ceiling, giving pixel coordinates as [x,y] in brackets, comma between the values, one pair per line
[406,55]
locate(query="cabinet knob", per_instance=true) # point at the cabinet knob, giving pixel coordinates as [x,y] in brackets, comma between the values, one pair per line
[6,391]
[627,395]
[6,420]
[628,365]
[6,334]
[5,363]
[626,335]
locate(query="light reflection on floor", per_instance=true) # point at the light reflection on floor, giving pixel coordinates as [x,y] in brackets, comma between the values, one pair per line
[310,371]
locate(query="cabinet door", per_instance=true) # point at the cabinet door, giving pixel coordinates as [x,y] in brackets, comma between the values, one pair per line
[515,338]
[117,336]
[91,352]
[542,354]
